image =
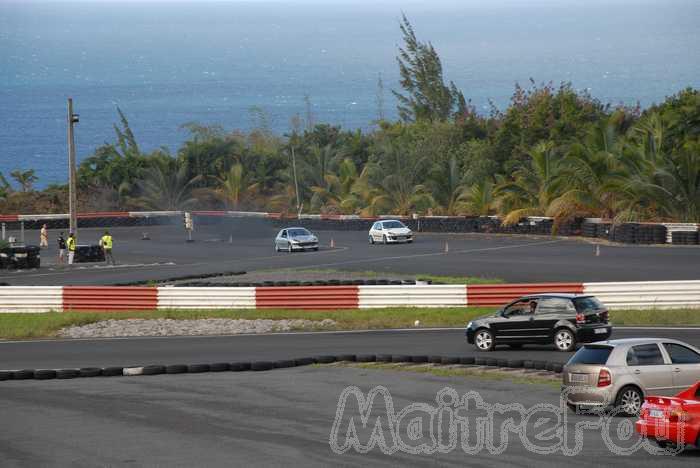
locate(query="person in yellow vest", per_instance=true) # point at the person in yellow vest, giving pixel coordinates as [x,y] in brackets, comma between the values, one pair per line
[71,244]
[106,243]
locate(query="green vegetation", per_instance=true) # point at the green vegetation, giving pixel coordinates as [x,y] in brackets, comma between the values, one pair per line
[518,377]
[553,151]
[19,326]
[656,317]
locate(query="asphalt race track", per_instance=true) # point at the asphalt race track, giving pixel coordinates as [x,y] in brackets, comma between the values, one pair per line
[191,350]
[286,418]
[515,258]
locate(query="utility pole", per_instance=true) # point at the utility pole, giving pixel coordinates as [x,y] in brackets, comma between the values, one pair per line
[296,183]
[72,195]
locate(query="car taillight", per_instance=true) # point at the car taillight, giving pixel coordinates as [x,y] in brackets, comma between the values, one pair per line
[604,378]
[580,318]
[676,415]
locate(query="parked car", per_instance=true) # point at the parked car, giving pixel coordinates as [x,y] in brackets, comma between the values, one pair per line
[673,422]
[620,373]
[561,319]
[390,231]
[295,238]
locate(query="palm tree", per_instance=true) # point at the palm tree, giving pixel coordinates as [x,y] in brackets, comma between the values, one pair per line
[592,175]
[25,179]
[478,199]
[165,186]
[5,187]
[234,187]
[397,178]
[447,185]
[533,187]
[337,193]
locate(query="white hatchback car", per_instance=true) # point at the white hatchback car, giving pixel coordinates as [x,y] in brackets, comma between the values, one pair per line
[390,231]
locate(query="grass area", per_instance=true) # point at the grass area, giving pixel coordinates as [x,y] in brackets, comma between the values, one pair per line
[378,274]
[517,376]
[655,317]
[20,326]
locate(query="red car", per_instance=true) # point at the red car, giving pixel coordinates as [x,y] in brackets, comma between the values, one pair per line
[672,422]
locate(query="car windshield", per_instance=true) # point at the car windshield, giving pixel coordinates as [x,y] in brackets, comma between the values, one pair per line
[591,355]
[392,224]
[298,232]
[585,304]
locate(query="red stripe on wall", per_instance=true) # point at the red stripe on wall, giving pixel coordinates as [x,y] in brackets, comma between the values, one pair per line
[302,297]
[109,298]
[499,294]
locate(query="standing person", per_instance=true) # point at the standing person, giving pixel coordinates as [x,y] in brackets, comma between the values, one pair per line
[71,247]
[61,249]
[44,237]
[106,243]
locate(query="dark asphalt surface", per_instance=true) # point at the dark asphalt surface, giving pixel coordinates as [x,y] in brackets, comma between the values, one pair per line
[514,258]
[190,350]
[285,418]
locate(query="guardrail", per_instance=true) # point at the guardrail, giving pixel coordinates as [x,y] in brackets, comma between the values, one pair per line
[624,295]
[412,296]
[646,294]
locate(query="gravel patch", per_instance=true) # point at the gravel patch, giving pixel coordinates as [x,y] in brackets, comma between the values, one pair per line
[170,327]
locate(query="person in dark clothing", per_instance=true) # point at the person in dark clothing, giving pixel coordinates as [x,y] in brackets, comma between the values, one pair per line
[61,249]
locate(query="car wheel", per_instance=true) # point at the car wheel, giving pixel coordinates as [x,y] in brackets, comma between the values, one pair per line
[409,241]
[564,340]
[277,247]
[371,240]
[384,239]
[289,248]
[483,340]
[315,249]
[629,401]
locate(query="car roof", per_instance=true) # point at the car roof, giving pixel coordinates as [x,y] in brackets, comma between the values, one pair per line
[387,220]
[559,295]
[294,227]
[637,341]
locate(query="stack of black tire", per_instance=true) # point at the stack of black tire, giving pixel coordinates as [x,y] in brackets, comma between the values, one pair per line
[602,230]
[625,233]
[589,229]
[89,254]
[684,237]
[651,234]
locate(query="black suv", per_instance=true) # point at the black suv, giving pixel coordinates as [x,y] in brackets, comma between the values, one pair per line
[562,319]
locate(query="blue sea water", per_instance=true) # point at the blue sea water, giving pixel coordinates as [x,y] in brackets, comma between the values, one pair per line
[165,64]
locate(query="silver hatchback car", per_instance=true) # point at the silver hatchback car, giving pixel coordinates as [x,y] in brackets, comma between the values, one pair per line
[295,238]
[620,373]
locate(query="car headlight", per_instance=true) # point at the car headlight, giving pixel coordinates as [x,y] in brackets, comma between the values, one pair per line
[294,241]
[469,325]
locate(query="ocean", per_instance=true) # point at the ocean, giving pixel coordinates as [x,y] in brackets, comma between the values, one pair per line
[165,64]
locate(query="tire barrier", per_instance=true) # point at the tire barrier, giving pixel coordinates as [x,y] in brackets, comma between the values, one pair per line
[111,298]
[292,297]
[173,369]
[492,295]
[624,295]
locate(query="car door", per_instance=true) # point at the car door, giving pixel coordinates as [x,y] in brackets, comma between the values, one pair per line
[515,322]
[376,231]
[549,311]
[646,363]
[283,240]
[685,365]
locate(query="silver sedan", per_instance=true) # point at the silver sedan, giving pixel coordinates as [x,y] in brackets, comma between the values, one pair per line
[295,238]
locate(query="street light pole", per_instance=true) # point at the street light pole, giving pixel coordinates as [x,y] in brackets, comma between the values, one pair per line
[72,195]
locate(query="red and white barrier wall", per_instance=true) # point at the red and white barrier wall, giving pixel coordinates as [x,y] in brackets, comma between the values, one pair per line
[626,295]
